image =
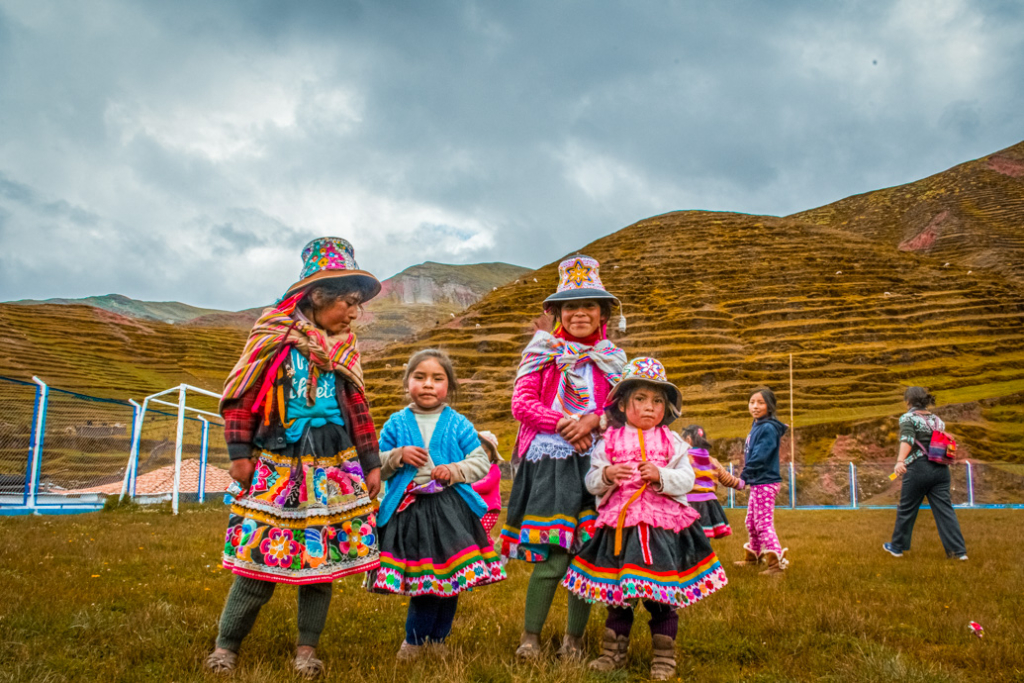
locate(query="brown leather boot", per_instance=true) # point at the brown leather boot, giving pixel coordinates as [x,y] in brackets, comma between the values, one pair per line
[663,664]
[613,652]
[777,562]
[751,559]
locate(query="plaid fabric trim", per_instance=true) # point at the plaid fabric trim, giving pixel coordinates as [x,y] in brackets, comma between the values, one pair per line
[240,422]
[243,426]
[360,424]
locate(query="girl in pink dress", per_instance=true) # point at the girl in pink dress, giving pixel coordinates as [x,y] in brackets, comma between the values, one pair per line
[648,544]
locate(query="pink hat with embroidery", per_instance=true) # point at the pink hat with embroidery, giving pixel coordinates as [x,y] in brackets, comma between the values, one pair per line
[648,371]
[327,258]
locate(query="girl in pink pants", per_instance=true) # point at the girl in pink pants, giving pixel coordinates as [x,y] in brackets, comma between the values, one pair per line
[761,472]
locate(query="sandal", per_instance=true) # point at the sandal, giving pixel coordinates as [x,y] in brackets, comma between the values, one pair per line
[308,666]
[221,661]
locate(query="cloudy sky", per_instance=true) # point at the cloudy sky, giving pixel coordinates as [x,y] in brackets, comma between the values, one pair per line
[187,150]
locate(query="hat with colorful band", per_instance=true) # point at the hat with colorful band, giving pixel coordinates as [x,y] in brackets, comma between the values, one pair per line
[648,371]
[328,258]
[579,277]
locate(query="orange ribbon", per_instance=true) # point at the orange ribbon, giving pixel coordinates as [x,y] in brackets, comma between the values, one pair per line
[632,499]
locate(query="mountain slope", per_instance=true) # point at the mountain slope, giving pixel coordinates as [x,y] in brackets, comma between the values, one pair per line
[723,299]
[971,215]
[164,311]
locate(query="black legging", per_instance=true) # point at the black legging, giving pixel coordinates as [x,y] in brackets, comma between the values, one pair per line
[925,478]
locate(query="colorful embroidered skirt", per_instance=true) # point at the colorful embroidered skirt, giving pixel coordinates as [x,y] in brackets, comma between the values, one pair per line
[549,504]
[306,517]
[676,569]
[712,518]
[435,546]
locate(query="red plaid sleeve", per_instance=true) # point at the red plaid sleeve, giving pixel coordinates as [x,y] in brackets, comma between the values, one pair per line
[364,434]
[240,424]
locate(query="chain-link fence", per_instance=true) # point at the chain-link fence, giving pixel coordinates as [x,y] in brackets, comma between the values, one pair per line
[17,417]
[86,443]
[869,485]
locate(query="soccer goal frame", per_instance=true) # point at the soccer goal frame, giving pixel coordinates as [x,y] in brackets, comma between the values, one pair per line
[131,471]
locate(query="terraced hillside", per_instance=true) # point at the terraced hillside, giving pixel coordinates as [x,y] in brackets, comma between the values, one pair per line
[971,215]
[89,348]
[86,349]
[723,299]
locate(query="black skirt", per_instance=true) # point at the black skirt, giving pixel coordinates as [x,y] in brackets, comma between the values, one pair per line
[677,569]
[435,546]
[712,518]
[549,504]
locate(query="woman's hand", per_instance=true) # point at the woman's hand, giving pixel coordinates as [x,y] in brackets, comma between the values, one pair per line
[650,473]
[616,474]
[901,467]
[441,473]
[574,430]
[242,471]
[415,456]
[373,482]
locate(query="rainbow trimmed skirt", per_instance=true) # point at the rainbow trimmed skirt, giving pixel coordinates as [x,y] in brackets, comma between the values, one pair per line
[435,546]
[677,569]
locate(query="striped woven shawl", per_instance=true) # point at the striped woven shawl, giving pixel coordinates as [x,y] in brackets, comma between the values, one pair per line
[573,391]
[277,330]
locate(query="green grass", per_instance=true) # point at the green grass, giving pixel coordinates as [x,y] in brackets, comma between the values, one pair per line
[135,595]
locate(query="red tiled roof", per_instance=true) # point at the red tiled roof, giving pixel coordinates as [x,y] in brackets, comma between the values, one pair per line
[162,480]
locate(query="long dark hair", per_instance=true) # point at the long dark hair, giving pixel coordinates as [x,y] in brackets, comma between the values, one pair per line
[696,436]
[446,364]
[918,398]
[769,399]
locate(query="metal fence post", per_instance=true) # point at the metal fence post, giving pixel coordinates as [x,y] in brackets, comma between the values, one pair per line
[792,486]
[732,492]
[180,436]
[202,459]
[853,486]
[970,484]
[38,433]
[132,470]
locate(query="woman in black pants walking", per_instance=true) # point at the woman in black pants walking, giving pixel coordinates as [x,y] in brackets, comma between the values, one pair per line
[922,477]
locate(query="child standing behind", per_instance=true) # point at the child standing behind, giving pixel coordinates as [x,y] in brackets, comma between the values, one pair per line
[432,544]
[489,487]
[761,473]
[708,472]
[647,545]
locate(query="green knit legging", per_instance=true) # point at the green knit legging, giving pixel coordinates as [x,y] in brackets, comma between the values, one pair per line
[246,598]
[543,583]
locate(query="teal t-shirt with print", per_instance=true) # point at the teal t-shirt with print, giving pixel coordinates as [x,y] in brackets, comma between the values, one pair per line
[325,410]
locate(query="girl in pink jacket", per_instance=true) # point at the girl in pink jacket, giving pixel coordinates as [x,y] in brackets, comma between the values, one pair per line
[648,545]
[489,487]
[563,380]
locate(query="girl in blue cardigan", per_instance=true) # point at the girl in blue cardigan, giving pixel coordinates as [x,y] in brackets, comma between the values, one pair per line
[432,543]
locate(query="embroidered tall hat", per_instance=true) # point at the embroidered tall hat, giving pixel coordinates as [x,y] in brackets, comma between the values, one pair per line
[579,277]
[648,371]
[328,258]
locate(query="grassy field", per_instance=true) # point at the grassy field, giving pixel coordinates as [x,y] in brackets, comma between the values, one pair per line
[135,596]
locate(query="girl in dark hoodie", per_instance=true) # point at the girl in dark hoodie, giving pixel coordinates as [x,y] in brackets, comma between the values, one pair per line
[761,473]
